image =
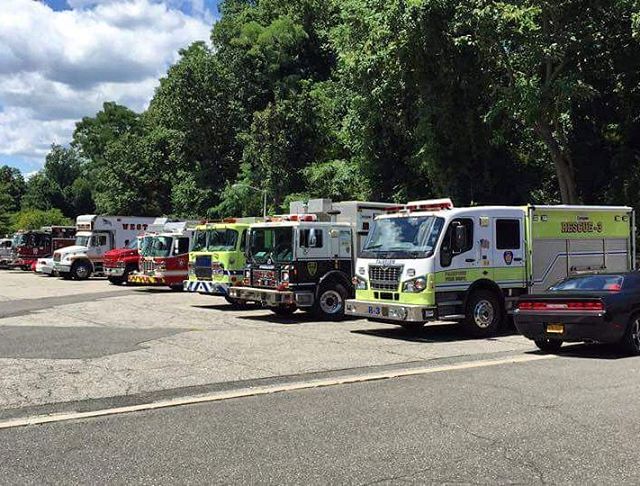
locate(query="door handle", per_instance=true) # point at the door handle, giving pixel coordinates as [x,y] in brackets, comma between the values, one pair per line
[470,260]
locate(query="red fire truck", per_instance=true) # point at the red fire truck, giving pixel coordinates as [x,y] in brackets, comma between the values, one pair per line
[29,246]
[165,261]
[121,262]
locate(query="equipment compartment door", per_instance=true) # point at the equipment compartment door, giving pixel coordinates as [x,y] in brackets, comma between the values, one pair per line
[509,251]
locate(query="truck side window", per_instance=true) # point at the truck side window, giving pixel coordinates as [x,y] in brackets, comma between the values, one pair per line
[243,241]
[311,238]
[508,234]
[183,246]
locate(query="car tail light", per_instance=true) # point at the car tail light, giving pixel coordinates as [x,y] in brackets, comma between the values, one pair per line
[578,305]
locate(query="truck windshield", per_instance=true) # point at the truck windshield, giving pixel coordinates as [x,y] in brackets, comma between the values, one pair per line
[221,239]
[406,237]
[145,245]
[82,240]
[133,244]
[199,241]
[271,244]
[160,247]
[19,239]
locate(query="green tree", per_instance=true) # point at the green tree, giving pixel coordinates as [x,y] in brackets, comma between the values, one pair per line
[13,187]
[545,59]
[29,219]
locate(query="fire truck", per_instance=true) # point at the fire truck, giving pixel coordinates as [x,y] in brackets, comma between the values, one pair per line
[305,260]
[120,263]
[428,260]
[165,260]
[216,259]
[29,246]
[95,236]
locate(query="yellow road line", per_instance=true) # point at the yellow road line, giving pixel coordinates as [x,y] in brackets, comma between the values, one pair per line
[264,390]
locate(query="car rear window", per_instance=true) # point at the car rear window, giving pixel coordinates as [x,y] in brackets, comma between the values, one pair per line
[590,282]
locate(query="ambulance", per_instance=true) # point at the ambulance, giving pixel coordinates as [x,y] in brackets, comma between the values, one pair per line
[428,260]
[96,235]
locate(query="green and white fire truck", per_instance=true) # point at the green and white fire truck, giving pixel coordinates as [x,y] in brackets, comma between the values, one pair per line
[428,261]
[216,259]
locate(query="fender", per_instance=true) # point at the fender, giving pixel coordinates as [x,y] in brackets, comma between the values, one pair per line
[484,283]
[338,275]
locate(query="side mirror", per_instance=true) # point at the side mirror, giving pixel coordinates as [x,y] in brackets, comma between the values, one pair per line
[460,239]
[446,257]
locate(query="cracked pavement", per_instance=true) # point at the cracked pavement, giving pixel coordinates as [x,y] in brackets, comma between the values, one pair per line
[129,341]
[565,420]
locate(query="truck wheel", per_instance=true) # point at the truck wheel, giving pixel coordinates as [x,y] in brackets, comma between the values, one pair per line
[330,302]
[236,303]
[549,345]
[116,280]
[631,340]
[176,288]
[284,310]
[483,315]
[81,270]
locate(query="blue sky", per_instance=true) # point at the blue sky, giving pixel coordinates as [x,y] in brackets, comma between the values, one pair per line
[86,52]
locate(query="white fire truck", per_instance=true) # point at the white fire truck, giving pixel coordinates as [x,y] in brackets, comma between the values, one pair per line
[305,259]
[95,236]
[428,260]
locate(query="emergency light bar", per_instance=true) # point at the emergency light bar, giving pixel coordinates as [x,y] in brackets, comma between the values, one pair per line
[426,205]
[293,217]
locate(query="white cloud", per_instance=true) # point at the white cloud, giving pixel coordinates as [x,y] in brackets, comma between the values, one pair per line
[56,67]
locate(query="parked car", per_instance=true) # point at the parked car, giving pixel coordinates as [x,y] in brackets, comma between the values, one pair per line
[44,266]
[602,308]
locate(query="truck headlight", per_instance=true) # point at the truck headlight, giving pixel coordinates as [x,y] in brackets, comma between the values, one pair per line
[415,285]
[360,283]
[284,276]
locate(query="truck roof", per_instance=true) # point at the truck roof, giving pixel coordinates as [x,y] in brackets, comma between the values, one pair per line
[314,224]
[208,226]
[484,209]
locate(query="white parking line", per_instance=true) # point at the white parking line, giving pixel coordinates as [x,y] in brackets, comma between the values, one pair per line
[264,390]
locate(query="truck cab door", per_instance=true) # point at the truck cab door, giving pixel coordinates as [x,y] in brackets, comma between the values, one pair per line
[460,255]
[100,244]
[508,247]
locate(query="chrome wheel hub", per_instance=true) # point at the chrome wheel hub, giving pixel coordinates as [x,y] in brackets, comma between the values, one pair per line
[331,302]
[483,314]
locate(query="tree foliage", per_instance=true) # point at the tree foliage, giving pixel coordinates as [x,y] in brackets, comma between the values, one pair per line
[509,102]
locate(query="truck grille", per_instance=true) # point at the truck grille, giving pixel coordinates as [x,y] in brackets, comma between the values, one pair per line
[202,267]
[148,266]
[264,278]
[385,278]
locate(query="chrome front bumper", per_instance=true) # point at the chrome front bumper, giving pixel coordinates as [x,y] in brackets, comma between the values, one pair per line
[272,298]
[206,287]
[114,272]
[61,268]
[390,312]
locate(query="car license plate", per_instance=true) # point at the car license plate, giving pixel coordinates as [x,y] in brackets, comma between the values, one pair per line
[555,328]
[375,310]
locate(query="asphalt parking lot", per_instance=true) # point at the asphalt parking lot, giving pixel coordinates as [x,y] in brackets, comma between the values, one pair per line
[236,396]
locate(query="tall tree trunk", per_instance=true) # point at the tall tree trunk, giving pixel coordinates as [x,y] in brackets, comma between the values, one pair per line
[563,164]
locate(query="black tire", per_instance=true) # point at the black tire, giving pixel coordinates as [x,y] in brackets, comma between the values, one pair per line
[176,288]
[484,314]
[81,270]
[549,345]
[283,310]
[236,303]
[329,305]
[631,341]
[116,280]
[413,327]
